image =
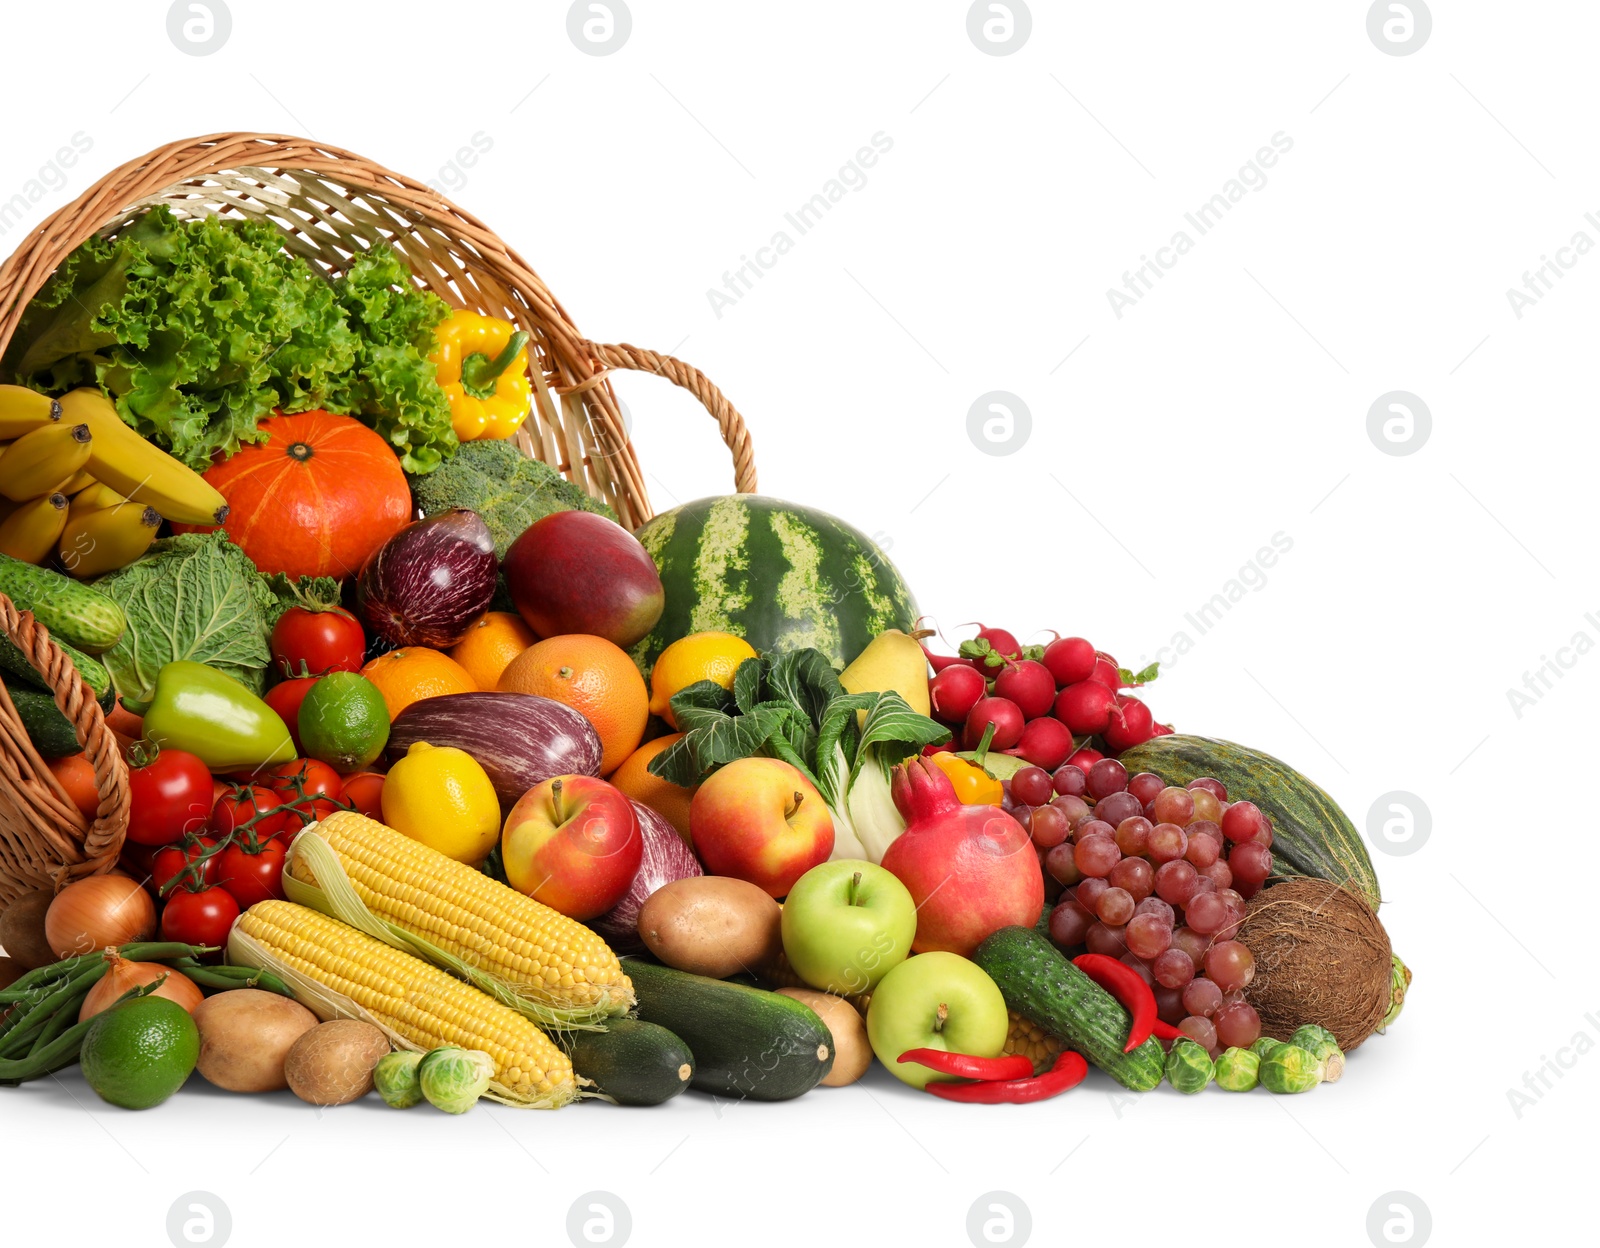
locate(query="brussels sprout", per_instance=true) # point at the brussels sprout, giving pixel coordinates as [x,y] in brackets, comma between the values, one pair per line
[1323,1043]
[453,1079]
[395,1077]
[1263,1046]
[1238,1070]
[1189,1067]
[1289,1068]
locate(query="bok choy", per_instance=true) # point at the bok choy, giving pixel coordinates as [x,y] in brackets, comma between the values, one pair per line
[792,707]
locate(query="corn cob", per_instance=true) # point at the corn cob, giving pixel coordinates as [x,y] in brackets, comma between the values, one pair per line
[1033,1042]
[418,1003]
[537,952]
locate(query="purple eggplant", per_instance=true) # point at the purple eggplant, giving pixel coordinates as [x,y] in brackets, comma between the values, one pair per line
[430,581]
[666,858]
[521,740]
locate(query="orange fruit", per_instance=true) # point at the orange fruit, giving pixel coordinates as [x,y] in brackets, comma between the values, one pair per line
[412,673]
[75,774]
[494,639]
[670,801]
[595,678]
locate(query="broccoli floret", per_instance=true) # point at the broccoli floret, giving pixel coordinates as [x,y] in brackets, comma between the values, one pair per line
[509,490]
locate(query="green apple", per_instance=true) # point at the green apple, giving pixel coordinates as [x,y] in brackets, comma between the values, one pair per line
[846,924]
[935,1001]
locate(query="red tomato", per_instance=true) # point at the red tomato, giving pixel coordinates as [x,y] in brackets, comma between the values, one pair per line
[168,796]
[239,806]
[317,778]
[364,791]
[201,918]
[285,697]
[250,878]
[314,643]
[171,859]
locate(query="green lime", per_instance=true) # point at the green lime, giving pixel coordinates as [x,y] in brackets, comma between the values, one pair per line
[344,721]
[137,1054]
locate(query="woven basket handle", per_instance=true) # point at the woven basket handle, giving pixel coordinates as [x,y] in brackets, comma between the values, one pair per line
[103,840]
[637,359]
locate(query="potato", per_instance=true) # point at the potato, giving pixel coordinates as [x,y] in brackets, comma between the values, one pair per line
[10,971]
[711,925]
[245,1035]
[332,1063]
[852,1053]
[22,930]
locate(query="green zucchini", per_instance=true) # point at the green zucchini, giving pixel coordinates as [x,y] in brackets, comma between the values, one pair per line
[1310,834]
[50,731]
[92,670]
[746,1042]
[633,1062]
[72,611]
[1046,989]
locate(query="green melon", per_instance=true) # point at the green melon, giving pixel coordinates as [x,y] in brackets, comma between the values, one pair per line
[780,576]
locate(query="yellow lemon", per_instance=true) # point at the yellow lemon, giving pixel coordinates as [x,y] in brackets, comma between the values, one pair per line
[443,798]
[699,656]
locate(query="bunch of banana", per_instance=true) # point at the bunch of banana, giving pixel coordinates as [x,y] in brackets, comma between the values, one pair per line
[75,479]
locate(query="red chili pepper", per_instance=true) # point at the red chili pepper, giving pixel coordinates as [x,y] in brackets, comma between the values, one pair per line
[1131,992]
[965,1065]
[1067,1072]
[1166,1031]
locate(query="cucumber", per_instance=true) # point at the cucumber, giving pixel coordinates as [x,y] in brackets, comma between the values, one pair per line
[50,731]
[633,1062]
[1039,983]
[746,1042]
[92,670]
[73,612]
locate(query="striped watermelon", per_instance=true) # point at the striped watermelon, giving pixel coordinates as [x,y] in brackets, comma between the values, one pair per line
[780,576]
[1310,834]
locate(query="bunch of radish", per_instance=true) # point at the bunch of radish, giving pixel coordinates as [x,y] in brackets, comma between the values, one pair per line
[1040,703]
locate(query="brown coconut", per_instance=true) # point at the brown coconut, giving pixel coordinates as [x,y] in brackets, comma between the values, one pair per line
[1321,956]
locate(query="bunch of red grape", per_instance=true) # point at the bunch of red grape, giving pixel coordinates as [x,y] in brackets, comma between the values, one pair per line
[1157,876]
[1040,703]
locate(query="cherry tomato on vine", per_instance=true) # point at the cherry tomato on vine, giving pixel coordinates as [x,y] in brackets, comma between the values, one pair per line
[199,918]
[285,697]
[317,778]
[252,877]
[314,643]
[170,861]
[239,806]
[320,782]
[168,796]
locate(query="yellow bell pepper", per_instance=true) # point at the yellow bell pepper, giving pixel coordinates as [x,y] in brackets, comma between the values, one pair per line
[973,785]
[483,368]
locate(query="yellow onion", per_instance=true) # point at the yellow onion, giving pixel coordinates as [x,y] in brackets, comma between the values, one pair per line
[98,911]
[121,975]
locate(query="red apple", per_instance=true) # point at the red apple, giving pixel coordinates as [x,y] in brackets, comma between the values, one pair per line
[572,843]
[576,572]
[759,819]
[971,869]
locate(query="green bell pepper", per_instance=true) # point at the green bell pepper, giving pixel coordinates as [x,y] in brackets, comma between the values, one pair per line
[214,717]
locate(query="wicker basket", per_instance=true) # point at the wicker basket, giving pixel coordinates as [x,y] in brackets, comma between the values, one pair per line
[329,204]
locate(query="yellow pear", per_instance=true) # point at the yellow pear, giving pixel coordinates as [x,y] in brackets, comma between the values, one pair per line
[892,661]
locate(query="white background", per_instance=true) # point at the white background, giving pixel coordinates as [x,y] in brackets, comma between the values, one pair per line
[1167,447]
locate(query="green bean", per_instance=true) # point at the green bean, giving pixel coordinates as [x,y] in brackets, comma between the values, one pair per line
[229,977]
[64,1046]
[138,951]
[63,1018]
[75,987]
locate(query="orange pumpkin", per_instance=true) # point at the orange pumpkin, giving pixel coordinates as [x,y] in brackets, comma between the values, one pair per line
[315,499]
